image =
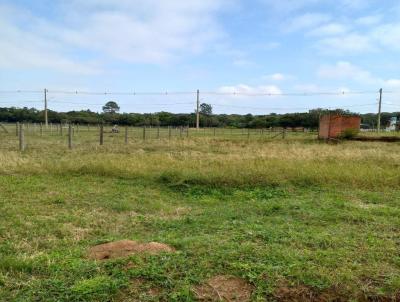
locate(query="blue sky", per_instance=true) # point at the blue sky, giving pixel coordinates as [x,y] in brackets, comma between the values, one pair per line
[226,46]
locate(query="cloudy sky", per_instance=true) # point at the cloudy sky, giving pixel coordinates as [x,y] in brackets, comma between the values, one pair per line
[225,46]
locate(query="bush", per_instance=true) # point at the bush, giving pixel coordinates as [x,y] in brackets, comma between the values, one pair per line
[349,133]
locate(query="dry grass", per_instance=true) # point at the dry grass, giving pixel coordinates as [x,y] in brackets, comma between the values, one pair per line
[217,161]
[291,218]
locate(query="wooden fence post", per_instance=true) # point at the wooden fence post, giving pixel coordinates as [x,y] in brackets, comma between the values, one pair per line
[17,129]
[126,135]
[248,133]
[169,132]
[283,133]
[21,137]
[158,132]
[101,135]
[144,133]
[61,129]
[70,136]
[187,132]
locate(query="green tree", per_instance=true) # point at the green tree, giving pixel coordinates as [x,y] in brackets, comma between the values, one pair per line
[205,109]
[111,107]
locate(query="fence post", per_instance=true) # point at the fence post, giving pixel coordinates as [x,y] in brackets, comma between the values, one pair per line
[169,132]
[248,133]
[214,131]
[283,133]
[21,137]
[126,135]
[144,133]
[180,132]
[158,132]
[70,136]
[187,132]
[61,129]
[17,129]
[101,135]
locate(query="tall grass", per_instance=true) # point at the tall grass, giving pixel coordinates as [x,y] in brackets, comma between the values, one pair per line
[218,162]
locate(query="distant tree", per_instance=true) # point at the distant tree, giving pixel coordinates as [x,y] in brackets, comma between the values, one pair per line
[205,109]
[111,107]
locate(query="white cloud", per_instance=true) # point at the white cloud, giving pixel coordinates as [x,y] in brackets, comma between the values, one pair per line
[388,35]
[385,37]
[157,32]
[343,71]
[329,30]
[275,77]
[363,35]
[349,72]
[20,48]
[306,21]
[289,6]
[307,88]
[369,20]
[246,89]
[134,31]
[347,44]
[243,63]
[393,83]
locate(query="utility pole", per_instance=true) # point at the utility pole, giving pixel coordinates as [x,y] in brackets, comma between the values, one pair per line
[198,110]
[379,110]
[46,121]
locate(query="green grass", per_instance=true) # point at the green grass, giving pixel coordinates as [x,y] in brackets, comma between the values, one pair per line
[275,212]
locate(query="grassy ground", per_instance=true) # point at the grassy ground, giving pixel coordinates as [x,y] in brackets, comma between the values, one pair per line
[287,216]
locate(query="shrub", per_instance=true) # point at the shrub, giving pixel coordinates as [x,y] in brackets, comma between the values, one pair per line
[349,133]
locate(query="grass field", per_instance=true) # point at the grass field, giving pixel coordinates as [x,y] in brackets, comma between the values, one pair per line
[297,219]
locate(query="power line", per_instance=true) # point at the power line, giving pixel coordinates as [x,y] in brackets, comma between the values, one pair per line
[20,91]
[122,104]
[292,94]
[290,108]
[167,93]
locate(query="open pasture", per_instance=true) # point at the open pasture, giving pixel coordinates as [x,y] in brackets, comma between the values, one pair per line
[295,219]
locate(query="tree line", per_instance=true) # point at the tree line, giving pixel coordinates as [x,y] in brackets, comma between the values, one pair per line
[110,115]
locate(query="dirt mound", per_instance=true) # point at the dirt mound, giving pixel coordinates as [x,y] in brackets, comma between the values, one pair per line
[125,248]
[224,288]
[302,293]
[140,290]
[296,293]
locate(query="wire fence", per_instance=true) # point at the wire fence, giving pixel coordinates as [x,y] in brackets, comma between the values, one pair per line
[23,136]
[228,100]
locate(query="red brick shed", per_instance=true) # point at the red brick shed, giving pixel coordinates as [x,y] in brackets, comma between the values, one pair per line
[332,126]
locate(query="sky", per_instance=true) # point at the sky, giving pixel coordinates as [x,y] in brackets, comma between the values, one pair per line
[245,56]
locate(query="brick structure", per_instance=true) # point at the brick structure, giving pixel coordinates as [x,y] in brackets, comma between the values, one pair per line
[332,126]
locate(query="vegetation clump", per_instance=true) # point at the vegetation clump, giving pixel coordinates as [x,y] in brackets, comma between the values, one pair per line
[283,219]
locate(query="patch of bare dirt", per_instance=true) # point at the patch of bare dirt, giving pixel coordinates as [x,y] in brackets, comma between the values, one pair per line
[303,293]
[123,248]
[224,288]
[140,290]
